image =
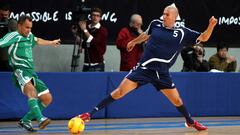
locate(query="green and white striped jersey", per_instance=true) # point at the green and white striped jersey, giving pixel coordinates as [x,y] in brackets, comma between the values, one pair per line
[19,49]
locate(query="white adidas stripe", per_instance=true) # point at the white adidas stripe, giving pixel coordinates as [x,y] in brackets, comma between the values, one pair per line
[9,37]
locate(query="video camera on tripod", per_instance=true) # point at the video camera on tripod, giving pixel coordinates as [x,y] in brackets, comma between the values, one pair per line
[80,14]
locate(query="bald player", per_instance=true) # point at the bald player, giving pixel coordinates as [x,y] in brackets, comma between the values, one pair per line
[165,42]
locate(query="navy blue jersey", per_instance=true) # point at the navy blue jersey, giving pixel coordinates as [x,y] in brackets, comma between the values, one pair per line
[164,45]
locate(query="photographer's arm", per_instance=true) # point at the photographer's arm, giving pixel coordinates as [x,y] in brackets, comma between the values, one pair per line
[55,42]
[204,65]
[83,26]
[12,25]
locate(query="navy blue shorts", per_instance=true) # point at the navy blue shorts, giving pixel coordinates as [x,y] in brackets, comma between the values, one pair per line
[158,80]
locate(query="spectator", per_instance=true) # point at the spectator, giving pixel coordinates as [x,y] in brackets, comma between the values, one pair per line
[6,25]
[126,34]
[193,59]
[94,44]
[221,61]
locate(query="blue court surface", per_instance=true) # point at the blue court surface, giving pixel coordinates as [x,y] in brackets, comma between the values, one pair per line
[140,126]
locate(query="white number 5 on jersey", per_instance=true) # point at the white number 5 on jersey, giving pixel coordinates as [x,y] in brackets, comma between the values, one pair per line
[175,33]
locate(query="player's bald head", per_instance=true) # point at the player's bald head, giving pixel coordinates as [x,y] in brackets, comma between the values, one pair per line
[173,10]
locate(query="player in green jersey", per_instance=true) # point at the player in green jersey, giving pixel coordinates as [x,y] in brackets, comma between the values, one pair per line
[20,44]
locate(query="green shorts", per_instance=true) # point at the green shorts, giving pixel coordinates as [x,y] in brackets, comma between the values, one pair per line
[21,77]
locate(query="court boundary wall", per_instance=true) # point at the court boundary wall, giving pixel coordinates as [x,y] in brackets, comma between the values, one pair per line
[204,94]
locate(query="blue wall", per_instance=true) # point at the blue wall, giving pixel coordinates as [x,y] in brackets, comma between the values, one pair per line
[205,94]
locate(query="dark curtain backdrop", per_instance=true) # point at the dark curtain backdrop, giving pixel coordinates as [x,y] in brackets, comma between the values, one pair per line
[52,18]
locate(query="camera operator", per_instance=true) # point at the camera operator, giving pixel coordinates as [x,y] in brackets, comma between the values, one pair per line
[94,42]
[193,58]
[6,25]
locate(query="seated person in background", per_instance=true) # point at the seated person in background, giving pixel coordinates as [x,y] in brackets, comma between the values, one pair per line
[193,59]
[221,61]
[126,34]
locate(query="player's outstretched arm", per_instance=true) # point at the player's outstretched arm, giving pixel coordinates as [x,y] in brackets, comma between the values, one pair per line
[54,43]
[141,38]
[207,33]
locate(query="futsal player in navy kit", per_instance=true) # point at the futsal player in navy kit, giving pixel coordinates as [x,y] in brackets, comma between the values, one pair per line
[164,43]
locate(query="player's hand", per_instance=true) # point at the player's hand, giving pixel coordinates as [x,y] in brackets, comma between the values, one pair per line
[130,46]
[213,21]
[56,42]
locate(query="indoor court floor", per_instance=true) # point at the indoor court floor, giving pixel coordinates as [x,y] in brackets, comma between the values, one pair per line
[139,126]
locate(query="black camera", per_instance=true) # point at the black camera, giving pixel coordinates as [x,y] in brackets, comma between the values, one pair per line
[81,12]
[199,50]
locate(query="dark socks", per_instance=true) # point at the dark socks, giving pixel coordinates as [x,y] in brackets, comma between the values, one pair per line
[185,113]
[105,102]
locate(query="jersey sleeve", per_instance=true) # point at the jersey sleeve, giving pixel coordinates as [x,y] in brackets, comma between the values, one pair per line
[8,39]
[154,23]
[191,36]
[33,40]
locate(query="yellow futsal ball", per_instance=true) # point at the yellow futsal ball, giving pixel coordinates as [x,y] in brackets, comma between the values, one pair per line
[76,125]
